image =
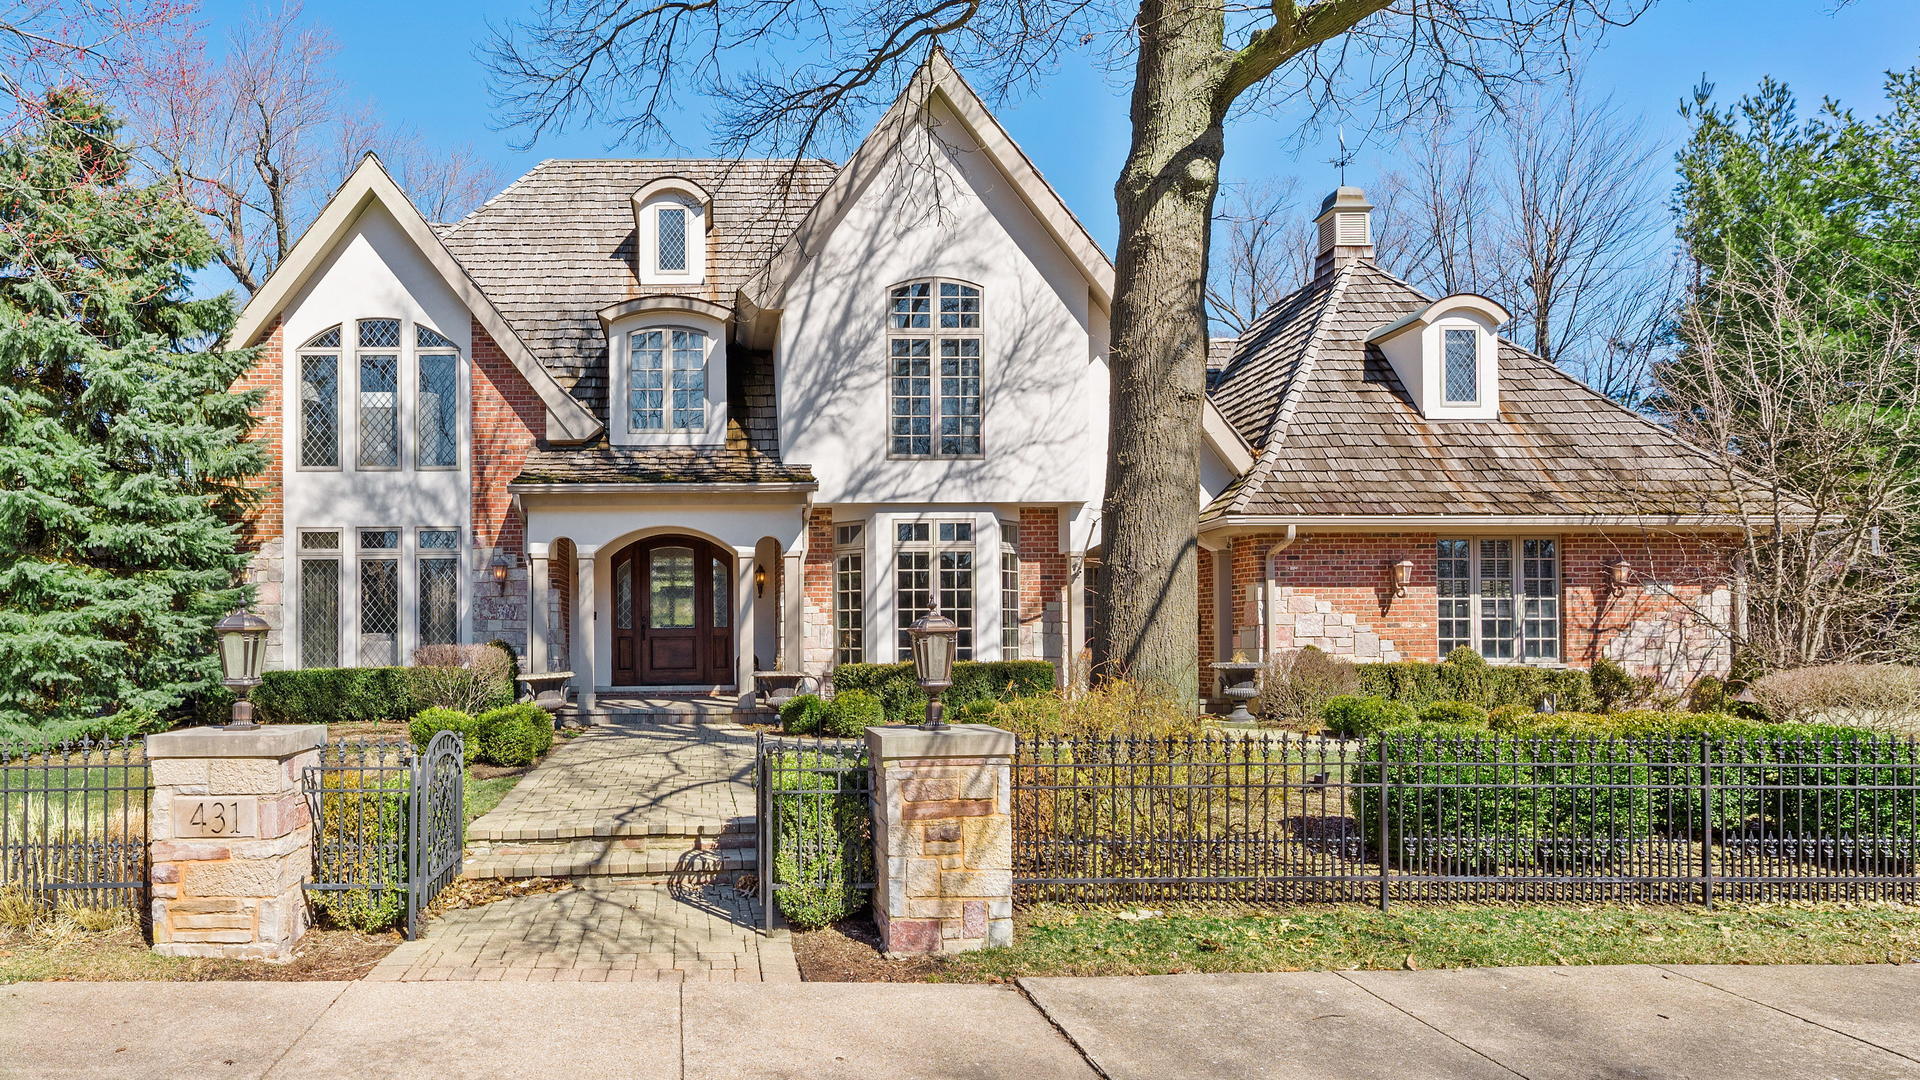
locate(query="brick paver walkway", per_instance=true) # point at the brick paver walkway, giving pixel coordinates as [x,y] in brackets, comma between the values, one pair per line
[601,931]
[631,780]
[681,786]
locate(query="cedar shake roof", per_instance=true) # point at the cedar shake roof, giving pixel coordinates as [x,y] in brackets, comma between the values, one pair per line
[658,465]
[1337,434]
[557,246]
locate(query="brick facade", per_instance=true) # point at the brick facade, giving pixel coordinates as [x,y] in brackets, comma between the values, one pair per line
[816,594]
[1044,578]
[263,526]
[1205,624]
[508,419]
[1335,592]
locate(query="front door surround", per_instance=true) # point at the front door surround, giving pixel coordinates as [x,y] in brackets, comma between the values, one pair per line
[672,613]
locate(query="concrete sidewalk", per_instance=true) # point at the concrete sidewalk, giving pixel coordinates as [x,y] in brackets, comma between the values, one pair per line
[1858,1023]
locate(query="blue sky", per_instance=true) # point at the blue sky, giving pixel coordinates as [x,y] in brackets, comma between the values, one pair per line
[415,63]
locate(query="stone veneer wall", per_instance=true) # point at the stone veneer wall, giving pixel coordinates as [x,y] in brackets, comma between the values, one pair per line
[508,419]
[1675,618]
[1334,592]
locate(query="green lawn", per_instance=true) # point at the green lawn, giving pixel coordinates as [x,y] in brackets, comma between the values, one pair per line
[484,795]
[1061,941]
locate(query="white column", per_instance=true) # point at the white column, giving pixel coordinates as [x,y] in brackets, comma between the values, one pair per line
[584,608]
[539,580]
[743,625]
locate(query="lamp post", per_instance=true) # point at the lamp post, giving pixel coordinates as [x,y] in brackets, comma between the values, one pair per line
[934,639]
[243,646]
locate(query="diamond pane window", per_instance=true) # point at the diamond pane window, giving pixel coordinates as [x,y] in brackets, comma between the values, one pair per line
[319,611]
[424,338]
[718,577]
[623,596]
[925,419]
[326,339]
[646,380]
[324,540]
[379,333]
[1463,366]
[379,410]
[320,408]
[439,410]
[671,225]
[689,380]
[379,612]
[439,612]
[439,539]
[379,539]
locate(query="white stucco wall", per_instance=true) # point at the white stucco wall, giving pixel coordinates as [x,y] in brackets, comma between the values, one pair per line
[375,272]
[945,211]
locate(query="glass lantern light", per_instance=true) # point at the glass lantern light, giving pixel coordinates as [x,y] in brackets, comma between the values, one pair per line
[243,651]
[935,640]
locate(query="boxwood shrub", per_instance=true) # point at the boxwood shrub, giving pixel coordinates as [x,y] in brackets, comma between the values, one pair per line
[823,845]
[1352,716]
[1464,676]
[802,714]
[850,713]
[514,734]
[345,695]
[973,680]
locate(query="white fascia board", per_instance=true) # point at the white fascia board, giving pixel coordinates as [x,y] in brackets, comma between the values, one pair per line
[1244,523]
[667,488]
[1224,439]
[567,419]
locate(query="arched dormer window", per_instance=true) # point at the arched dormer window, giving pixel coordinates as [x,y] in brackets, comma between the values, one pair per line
[669,370]
[933,369]
[670,224]
[320,401]
[1446,356]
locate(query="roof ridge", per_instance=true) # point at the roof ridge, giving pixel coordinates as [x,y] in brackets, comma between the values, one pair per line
[1289,401]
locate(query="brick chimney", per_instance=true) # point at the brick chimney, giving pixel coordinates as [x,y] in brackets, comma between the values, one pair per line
[1346,231]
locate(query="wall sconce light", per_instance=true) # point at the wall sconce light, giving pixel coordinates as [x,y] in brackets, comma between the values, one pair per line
[759,579]
[1618,573]
[1402,576]
[501,566]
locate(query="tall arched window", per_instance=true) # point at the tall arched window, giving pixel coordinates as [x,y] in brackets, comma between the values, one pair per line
[320,401]
[933,372]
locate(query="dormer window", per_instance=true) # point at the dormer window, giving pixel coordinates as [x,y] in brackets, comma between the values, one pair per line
[1446,356]
[668,371]
[670,223]
[1463,367]
[667,380]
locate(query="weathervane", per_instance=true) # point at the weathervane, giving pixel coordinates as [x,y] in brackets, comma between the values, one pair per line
[1344,158]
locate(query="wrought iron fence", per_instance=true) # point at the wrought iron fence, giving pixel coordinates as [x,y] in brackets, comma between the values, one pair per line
[73,822]
[1257,817]
[389,828]
[815,815]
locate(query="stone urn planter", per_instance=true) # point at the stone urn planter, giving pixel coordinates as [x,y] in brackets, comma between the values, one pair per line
[1238,675]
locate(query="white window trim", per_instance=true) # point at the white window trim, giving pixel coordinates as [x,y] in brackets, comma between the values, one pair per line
[934,334]
[619,338]
[341,391]
[647,238]
[855,547]
[1010,561]
[1475,639]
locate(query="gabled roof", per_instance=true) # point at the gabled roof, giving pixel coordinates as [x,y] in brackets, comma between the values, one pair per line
[556,247]
[371,185]
[1338,436]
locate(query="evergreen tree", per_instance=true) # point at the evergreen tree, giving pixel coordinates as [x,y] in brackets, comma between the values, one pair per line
[121,445]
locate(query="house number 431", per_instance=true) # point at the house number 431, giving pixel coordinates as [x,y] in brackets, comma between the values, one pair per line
[202,816]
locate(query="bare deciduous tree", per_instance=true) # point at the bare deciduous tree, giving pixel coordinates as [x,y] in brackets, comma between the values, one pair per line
[1194,62]
[101,46]
[1551,208]
[1818,432]
[256,139]
[1262,250]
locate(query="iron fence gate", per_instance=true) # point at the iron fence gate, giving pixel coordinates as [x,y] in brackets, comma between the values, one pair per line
[389,828]
[73,822]
[1271,818]
[814,810]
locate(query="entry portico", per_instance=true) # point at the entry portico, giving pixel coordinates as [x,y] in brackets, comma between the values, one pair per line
[641,587]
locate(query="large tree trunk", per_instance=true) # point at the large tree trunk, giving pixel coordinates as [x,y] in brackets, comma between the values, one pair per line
[1158,366]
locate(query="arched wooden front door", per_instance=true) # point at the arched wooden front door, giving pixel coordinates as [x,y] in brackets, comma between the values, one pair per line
[672,613]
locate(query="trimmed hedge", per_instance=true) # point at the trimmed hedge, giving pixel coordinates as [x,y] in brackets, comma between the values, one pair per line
[514,734]
[823,846]
[973,680]
[1464,676]
[802,714]
[344,695]
[1351,716]
[850,713]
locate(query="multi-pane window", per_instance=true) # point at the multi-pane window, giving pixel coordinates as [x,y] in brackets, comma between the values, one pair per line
[379,403]
[934,412]
[320,401]
[1009,591]
[437,406]
[1462,366]
[319,560]
[379,597]
[849,595]
[670,228]
[667,380]
[934,559]
[1500,597]
[438,617]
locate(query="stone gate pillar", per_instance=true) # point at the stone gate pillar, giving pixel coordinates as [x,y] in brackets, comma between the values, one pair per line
[230,839]
[943,837]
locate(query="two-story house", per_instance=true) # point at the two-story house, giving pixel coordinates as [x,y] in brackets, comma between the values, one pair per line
[666,423]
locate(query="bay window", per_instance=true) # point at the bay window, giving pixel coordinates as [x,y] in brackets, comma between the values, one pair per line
[934,558]
[1500,596]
